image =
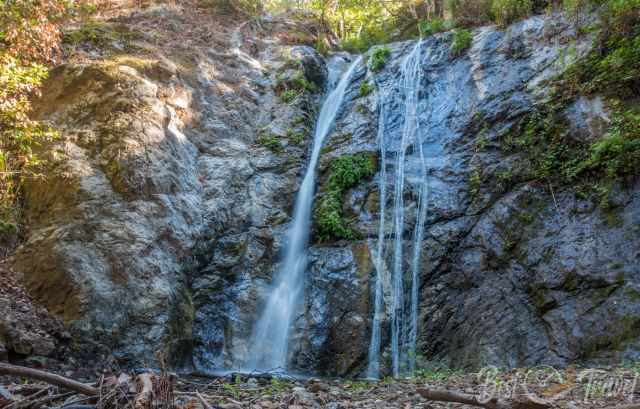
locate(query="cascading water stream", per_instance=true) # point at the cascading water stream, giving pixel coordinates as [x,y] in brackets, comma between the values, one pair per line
[373,368]
[403,341]
[270,339]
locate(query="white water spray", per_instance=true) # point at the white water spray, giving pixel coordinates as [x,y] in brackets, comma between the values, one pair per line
[373,368]
[269,345]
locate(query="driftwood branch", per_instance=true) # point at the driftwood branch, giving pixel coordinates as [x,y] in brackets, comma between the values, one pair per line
[521,402]
[204,403]
[53,379]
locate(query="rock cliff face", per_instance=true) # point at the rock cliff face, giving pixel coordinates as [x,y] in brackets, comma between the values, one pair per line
[162,223]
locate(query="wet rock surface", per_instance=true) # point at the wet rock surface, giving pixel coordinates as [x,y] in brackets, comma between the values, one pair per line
[519,276]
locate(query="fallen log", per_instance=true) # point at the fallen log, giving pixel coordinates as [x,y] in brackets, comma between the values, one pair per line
[519,402]
[50,378]
[204,403]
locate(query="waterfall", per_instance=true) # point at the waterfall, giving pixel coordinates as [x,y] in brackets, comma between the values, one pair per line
[373,368]
[403,339]
[269,344]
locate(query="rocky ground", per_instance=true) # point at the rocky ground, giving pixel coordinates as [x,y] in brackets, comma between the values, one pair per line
[27,331]
[571,388]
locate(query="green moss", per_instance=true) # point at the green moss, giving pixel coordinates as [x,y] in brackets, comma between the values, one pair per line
[99,34]
[632,294]
[623,330]
[462,39]
[615,155]
[289,96]
[366,88]
[345,172]
[475,182]
[379,58]
[7,227]
[270,141]
[296,137]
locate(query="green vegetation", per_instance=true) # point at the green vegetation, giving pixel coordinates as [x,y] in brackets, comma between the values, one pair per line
[462,39]
[357,386]
[379,58]
[435,373]
[99,34]
[475,182]
[296,137]
[361,24]
[366,88]
[271,142]
[432,26]
[506,12]
[345,172]
[279,386]
[249,7]
[232,389]
[289,96]
[29,41]
[290,85]
[542,138]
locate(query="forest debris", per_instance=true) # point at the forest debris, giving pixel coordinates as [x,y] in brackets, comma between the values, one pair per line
[520,402]
[50,378]
[145,391]
[5,397]
[204,403]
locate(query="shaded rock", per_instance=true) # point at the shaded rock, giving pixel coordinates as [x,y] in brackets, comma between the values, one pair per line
[314,66]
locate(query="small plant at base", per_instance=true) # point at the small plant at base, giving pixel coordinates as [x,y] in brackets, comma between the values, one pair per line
[365,89]
[232,389]
[462,39]
[279,386]
[379,58]
[289,96]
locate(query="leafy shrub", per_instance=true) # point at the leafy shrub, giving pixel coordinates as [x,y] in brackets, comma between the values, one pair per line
[462,39]
[29,39]
[301,83]
[431,27]
[506,12]
[365,88]
[345,172]
[379,58]
[614,67]
[366,39]
[617,154]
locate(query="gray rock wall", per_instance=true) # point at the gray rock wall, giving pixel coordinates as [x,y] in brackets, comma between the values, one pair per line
[163,219]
